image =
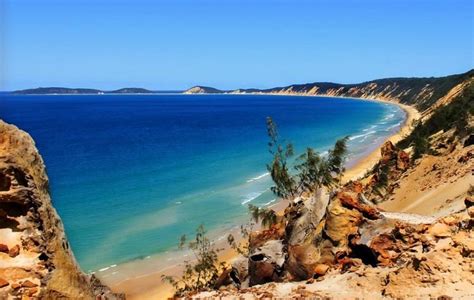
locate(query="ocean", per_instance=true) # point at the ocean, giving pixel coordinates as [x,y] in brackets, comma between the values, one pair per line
[130,174]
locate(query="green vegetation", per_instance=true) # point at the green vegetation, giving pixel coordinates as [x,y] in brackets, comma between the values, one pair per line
[204,272]
[312,170]
[266,216]
[454,115]
[285,185]
[382,179]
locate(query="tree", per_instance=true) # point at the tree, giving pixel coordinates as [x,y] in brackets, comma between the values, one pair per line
[205,270]
[266,216]
[285,185]
[315,171]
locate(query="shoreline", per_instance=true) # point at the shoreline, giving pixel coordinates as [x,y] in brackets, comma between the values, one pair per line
[143,277]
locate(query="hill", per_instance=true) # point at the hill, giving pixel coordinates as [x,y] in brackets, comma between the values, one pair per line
[419,92]
[73,91]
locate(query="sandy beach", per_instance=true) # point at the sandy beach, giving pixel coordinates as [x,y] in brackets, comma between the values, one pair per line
[141,279]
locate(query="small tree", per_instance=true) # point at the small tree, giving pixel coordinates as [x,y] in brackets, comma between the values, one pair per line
[266,216]
[205,270]
[421,145]
[285,185]
[315,171]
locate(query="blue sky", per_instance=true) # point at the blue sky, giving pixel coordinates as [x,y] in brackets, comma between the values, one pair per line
[175,44]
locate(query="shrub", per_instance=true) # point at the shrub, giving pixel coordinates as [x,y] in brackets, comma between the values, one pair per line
[203,272]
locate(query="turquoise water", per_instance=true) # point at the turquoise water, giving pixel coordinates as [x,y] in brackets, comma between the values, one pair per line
[131,173]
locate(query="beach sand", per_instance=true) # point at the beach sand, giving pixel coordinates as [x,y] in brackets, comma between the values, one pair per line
[141,279]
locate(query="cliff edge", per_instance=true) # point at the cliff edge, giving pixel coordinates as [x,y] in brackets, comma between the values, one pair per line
[35,258]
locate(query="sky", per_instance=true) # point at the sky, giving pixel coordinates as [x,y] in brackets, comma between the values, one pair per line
[176,44]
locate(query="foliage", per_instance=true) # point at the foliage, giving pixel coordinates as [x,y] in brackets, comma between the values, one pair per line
[454,115]
[266,216]
[285,185]
[382,179]
[203,272]
[312,170]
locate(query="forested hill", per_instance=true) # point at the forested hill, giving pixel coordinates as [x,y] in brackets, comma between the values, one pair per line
[69,91]
[420,92]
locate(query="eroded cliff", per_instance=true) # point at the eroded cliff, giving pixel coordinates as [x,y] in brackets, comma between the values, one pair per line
[35,258]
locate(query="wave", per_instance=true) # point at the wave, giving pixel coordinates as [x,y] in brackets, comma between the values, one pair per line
[258,177]
[251,196]
[106,268]
[269,202]
[393,126]
[362,135]
[388,117]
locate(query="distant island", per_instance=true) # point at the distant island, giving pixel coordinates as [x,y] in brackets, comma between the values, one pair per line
[69,91]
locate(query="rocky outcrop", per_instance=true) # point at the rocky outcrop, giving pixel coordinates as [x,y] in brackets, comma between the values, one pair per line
[407,259]
[340,245]
[35,257]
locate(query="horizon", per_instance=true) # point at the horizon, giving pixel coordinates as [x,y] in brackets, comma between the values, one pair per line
[184,89]
[174,45]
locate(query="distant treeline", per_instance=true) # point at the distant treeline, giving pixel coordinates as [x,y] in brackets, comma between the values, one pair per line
[62,90]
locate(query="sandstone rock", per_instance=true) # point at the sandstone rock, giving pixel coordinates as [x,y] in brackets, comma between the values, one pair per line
[403,160]
[305,218]
[3,248]
[469,202]
[3,283]
[469,141]
[224,279]
[440,230]
[24,186]
[266,263]
[341,222]
[28,284]
[388,152]
[15,251]
[321,269]
[240,271]
[351,201]
[301,260]
[16,286]
[31,292]
[382,244]
[470,211]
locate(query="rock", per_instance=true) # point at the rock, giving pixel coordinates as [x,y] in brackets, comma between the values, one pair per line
[240,270]
[350,201]
[3,283]
[266,263]
[301,260]
[321,269]
[469,141]
[28,284]
[341,222]
[14,251]
[465,240]
[224,279]
[306,215]
[440,230]
[469,201]
[470,211]
[382,244]
[3,248]
[465,158]
[388,152]
[403,160]
[31,292]
[16,286]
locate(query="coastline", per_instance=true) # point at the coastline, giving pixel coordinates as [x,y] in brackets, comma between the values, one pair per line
[144,276]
